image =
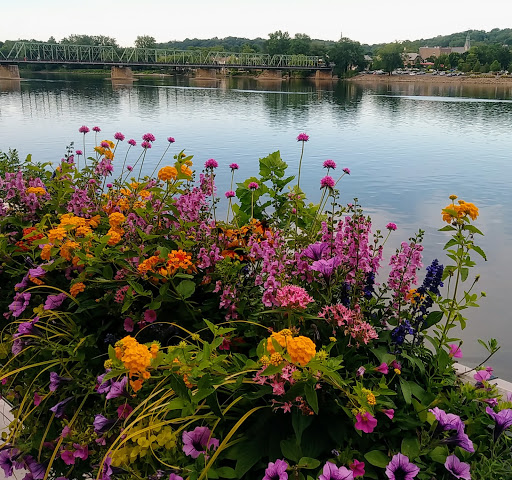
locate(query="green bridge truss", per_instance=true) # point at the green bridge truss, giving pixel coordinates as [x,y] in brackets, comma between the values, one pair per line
[30,52]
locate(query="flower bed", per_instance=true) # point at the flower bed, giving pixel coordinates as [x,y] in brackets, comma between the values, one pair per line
[146,337]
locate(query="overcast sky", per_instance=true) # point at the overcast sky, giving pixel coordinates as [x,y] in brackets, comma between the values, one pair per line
[367,21]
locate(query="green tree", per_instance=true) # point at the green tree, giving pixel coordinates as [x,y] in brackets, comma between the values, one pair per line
[145,41]
[390,57]
[90,40]
[300,44]
[477,67]
[495,66]
[346,54]
[278,43]
[485,68]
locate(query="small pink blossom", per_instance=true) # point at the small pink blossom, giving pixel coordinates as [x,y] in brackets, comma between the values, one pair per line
[327,181]
[67,457]
[170,139]
[482,376]
[128,324]
[37,399]
[230,194]
[79,152]
[360,371]
[104,144]
[96,129]
[65,431]
[391,226]
[148,137]
[145,145]
[124,410]
[347,170]
[390,413]
[119,136]
[365,422]
[129,168]
[234,166]
[253,186]
[357,468]
[132,142]
[211,163]
[292,296]
[302,137]
[330,164]
[455,351]
[83,129]
[382,368]
[150,316]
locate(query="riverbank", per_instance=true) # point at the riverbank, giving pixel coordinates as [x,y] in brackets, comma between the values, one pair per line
[473,80]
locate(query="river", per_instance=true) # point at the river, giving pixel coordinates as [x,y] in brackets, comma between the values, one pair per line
[408,146]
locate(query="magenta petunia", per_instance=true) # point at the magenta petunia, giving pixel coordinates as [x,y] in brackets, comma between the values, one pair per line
[400,468]
[365,422]
[276,470]
[389,412]
[357,468]
[332,472]
[150,316]
[37,399]
[382,368]
[198,441]
[457,468]
[83,129]
[174,476]
[302,137]
[327,181]
[211,163]
[124,410]
[128,324]
[455,351]
[119,136]
[67,457]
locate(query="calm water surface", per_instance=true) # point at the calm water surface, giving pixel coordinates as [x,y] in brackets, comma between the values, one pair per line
[409,146]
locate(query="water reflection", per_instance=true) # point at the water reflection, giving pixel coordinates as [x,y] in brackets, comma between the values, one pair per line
[408,145]
[10,85]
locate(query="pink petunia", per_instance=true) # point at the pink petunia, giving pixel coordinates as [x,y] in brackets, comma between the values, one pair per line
[365,422]
[455,351]
[382,368]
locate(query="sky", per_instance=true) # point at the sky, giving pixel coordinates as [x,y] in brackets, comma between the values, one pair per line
[366,21]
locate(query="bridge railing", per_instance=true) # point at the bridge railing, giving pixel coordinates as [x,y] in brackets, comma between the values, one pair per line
[97,54]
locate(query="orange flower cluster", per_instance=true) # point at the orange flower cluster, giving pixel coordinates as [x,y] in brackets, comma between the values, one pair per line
[76,289]
[167,173]
[115,232]
[236,239]
[461,210]
[177,259]
[36,190]
[301,349]
[67,249]
[136,358]
[126,199]
[106,151]
[30,235]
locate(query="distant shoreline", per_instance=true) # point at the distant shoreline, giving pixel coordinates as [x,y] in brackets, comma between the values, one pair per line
[443,79]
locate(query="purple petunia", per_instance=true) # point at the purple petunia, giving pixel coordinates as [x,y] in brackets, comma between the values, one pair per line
[365,422]
[447,421]
[276,471]
[503,420]
[19,304]
[174,476]
[400,468]
[330,164]
[315,250]
[332,472]
[302,137]
[211,163]
[460,440]
[7,458]
[54,301]
[83,129]
[55,381]
[326,267]
[327,181]
[457,468]
[59,408]
[198,441]
[118,389]
[119,136]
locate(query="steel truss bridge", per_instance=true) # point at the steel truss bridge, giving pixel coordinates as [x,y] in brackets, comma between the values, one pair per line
[50,53]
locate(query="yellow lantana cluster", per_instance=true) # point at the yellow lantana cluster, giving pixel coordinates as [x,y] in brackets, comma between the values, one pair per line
[176,259]
[36,190]
[463,209]
[136,358]
[301,349]
[115,232]
[168,173]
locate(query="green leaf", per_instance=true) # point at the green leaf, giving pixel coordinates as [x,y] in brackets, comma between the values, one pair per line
[311,396]
[464,272]
[377,458]
[410,447]
[107,272]
[291,450]
[138,288]
[406,390]
[478,250]
[439,454]
[248,454]
[308,463]
[226,472]
[186,288]
[432,319]
[448,228]
[300,422]
[472,229]
[179,387]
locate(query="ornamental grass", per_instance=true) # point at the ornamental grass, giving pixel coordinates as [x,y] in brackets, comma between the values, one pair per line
[145,338]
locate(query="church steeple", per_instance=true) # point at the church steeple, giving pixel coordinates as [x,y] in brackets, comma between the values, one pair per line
[467,45]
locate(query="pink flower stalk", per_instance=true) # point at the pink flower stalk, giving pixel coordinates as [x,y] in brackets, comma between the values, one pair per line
[455,351]
[211,163]
[83,129]
[230,194]
[382,368]
[253,186]
[327,181]
[132,142]
[145,145]
[170,139]
[119,136]
[292,296]
[96,129]
[234,166]
[302,137]
[391,226]
[365,422]
[148,137]
[330,164]
[346,170]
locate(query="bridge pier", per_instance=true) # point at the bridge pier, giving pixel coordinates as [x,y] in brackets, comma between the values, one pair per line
[209,73]
[9,72]
[323,75]
[121,73]
[270,75]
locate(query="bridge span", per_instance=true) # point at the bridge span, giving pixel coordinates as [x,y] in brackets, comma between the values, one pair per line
[199,60]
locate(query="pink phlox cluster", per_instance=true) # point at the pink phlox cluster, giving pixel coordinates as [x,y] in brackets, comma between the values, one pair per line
[351,322]
[272,254]
[207,183]
[278,381]
[120,294]
[208,257]
[355,249]
[104,167]
[404,266]
[191,204]
[292,296]
[81,203]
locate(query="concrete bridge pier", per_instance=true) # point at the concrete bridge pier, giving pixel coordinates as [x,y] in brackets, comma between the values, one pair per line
[9,72]
[121,73]
[270,75]
[206,73]
[323,75]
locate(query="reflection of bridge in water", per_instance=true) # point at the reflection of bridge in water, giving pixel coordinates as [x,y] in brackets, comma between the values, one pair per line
[209,62]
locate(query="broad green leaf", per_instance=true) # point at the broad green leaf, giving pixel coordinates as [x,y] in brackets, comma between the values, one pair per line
[290,450]
[377,458]
[300,422]
[186,288]
[478,250]
[226,472]
[439,454]
[308,463]
[410,447]
[406,390]
[432,319]
[311,396]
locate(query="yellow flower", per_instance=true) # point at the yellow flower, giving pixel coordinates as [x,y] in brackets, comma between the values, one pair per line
[36,190]
[301,350]
[398,371]
[186,171]
[265,360]
[167,173]
[115,237]
[57,233]
[76,289]
[46,252]
[452,197]
[276,359]
[115,219]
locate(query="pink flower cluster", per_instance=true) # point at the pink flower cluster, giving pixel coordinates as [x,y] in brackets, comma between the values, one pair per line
[292,296]
[404,266]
